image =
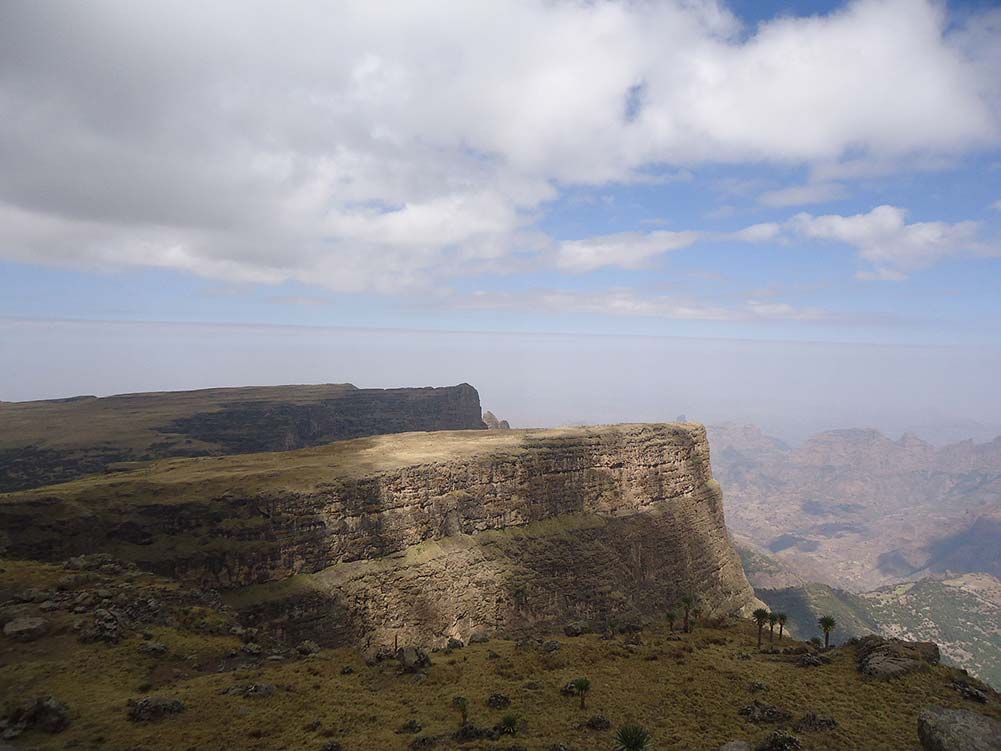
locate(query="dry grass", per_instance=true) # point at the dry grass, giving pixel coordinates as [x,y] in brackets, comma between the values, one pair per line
[687,693]
[305,469]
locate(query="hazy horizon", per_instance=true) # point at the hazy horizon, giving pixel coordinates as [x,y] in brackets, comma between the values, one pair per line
[789,389]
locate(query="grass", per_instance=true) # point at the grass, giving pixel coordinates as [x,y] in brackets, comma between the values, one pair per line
[686,693]
[308,469]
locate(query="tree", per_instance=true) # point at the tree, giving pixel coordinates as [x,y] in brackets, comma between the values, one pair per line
[782,623]
[632,738]
[773,618]
[462,706]
[581,686]
[827,625]
[671,618]
[686,602]
[760,617]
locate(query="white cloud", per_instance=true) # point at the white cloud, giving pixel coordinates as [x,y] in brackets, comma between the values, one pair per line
[893,247]
[624,301]
[378,146]
[798,195]
[757,233]
[629,250]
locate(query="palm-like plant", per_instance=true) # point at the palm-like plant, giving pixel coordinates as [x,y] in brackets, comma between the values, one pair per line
[632,738]
[760,617]
[686,603]
[581,686]
[460,703]
[827,625]
[509,724]
[671,618]
[773,618]
[782,617]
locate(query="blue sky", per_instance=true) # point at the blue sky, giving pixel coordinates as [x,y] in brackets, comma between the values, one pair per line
[813,171]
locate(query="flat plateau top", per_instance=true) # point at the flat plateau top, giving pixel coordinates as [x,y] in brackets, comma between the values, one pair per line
[303,470]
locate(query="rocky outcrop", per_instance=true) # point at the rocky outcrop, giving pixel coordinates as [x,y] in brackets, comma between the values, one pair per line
[419,538]
[59,440]
[942,729]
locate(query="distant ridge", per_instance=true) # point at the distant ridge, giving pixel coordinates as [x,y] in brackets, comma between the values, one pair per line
[57,440]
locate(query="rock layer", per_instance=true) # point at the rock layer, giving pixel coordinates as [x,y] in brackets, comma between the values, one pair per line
[419,537]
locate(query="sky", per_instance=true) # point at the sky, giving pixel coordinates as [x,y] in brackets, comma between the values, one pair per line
[640,181]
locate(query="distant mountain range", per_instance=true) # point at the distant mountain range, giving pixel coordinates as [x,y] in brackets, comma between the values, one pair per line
[898,537]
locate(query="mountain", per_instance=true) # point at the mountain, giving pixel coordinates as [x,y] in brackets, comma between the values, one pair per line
[58,440]
[857,510]
[961,614]
[417,536]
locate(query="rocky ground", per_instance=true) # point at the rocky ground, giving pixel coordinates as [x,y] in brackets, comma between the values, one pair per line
[96,654]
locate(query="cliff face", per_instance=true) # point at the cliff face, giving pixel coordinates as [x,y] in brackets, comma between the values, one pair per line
[421,536]
[55,441]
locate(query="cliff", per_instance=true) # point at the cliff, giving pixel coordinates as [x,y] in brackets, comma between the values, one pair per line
[416,536]
[58,440]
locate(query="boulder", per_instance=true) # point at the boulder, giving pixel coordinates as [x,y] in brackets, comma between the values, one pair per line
[498,701]
[153,708]
[26,629]
[551,646]
[890,658]
[307,647]
[811,722]
[412,659]
[780,740]
[454,643]
[760,712]
[44,713]
[942,729]
[573,629]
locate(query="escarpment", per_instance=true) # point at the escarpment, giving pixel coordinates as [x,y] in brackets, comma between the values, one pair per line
[417,537]
[53,441]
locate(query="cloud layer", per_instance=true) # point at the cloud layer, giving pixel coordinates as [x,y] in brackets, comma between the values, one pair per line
[381,146]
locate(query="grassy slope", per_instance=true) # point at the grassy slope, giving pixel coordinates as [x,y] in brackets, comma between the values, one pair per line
[305,469]
[131,420]
[686,693]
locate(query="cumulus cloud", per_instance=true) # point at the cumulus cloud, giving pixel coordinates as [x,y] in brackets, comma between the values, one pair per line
[380,146]
[893,247]
[628,250]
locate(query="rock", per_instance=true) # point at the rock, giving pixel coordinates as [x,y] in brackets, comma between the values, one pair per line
[970,691]
[943,729]
[154,648]
[881,658]
[551,646]
[736,746]
[573,629]
[811,660]
[331,746]
[811,722]
[307,647]
[780,740]
[412,659]
[757,687]
[454,643]
[26,629]
[598,722]
[480,636]
[107,626]
[44,713]
[760,712]
[153,708]
[259,691]
[423,742]
[347,670]
[498,701]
